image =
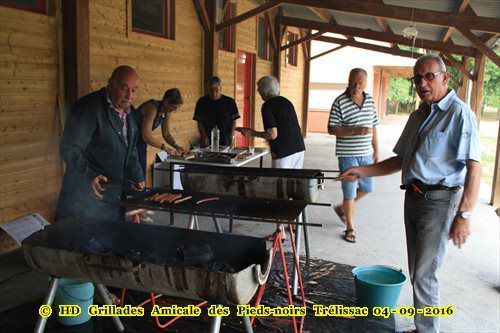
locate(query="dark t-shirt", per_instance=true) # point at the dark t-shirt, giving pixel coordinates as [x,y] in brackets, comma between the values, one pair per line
[279,112]
[220,112]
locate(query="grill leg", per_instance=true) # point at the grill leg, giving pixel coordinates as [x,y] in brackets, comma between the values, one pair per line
[191,222]
[247,325]
[102,294]
[217,225]
[215,324]
[230,224]
[196,225]
[298,235]
[49,299]
[306,238]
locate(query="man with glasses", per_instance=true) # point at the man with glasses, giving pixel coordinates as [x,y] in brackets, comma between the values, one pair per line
[439,156]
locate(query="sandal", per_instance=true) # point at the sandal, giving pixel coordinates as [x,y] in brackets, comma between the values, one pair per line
[349,236]
[340,213]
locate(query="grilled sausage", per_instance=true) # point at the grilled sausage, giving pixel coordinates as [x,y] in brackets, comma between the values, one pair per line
[174,197]
[182,199]
[207,200]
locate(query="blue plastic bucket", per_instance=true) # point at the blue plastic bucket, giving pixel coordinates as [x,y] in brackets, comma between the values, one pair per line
[73,292]
[378,285]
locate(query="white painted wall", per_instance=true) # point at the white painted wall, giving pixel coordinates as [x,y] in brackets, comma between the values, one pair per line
[334,68]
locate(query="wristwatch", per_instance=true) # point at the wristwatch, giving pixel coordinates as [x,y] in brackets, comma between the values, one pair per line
[464,214]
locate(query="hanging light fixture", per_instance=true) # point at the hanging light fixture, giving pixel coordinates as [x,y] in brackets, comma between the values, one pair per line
[410,32]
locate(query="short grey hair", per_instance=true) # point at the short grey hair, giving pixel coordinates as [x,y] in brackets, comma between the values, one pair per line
[214,80]
[356,71]
[268,86]
[430,57]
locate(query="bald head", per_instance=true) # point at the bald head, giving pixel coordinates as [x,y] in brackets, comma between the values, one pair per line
[122,86]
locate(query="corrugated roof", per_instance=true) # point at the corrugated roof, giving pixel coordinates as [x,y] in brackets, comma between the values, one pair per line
[355,20]
[485,8]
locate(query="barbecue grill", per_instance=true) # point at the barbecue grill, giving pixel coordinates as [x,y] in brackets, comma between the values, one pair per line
[178,262]
[196,265]
[284,184]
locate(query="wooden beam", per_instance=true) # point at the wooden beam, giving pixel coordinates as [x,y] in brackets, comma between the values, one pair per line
[302,40]
[382,23]
[202,14]
[379,36]
[489,39]
[305,87]
[248,14]
[476,102]
[270,30]
[373,47]
[211,55]
[458,66]
[447,31]
[455,79]
[277,52]
[495,189]
[481,46]
[322,14]
[283,33]
[406,14]
[463,89]
[76,40]
[326,52]
[304,47]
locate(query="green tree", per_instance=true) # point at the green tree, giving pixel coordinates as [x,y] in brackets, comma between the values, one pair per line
[401,91]
[491,90]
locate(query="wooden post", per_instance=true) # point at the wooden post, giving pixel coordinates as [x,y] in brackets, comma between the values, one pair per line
[277,51]
[305,88]
[477,86]
[495,190]
[76,49]
[211,58]
[463,89]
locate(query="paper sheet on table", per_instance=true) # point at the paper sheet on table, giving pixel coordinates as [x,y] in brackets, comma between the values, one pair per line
[21,228]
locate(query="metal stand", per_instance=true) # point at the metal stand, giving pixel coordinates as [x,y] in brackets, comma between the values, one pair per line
[48,300]
[215,324]
[260,292]
[217,225]
[298,234]
[230,224]
[247,325]
[104,297]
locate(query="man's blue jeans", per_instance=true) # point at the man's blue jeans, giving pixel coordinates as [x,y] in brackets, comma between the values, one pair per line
[427,221]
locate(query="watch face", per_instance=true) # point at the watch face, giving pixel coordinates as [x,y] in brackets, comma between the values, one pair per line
[465,215]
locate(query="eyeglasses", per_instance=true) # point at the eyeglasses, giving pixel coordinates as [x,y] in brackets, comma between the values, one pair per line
[429,76]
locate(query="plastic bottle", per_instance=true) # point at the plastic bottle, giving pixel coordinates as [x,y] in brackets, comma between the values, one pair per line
[215,139]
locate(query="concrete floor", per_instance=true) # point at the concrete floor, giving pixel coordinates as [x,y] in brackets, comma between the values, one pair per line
[470,275]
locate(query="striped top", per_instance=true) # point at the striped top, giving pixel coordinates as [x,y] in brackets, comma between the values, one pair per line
[345,112]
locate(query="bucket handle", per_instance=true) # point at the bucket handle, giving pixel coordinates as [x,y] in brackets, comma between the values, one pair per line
[262,278]
[61,288]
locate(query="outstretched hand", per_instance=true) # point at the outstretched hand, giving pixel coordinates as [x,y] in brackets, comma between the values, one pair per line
[248,132]
[350,175]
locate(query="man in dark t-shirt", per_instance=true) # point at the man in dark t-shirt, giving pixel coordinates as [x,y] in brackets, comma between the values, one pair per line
[218,110]
[281,126]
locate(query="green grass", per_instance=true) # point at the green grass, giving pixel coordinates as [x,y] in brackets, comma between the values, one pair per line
[488,144]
